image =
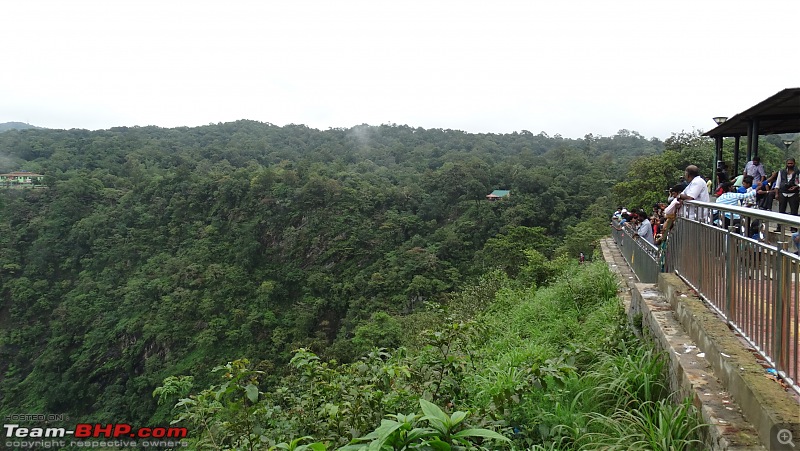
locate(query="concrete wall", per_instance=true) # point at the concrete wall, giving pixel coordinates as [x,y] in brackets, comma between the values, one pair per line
[708,362]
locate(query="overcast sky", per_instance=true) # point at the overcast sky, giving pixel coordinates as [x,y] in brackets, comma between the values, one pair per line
[568,67]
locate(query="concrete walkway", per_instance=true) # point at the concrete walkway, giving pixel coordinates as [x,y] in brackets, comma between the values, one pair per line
[743,407]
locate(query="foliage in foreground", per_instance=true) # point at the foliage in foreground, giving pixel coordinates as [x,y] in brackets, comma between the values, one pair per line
[432,430]
[528,371]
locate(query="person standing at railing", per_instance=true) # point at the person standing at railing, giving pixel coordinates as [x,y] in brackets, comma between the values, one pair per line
[645,228]
[673,194]
[670,213]
[696,189]
[786,189]
[657,218]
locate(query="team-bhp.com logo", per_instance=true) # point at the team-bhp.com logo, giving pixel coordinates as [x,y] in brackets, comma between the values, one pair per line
[122,434]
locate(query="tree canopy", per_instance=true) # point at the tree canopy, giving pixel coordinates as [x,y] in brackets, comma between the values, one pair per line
[156,252]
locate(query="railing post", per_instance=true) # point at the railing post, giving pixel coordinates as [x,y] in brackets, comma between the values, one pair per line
[730,273]
[699,270]
[779,316]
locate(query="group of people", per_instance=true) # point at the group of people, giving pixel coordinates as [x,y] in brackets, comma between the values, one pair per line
[753,188]
[783,185]
[654,228]
[646,227]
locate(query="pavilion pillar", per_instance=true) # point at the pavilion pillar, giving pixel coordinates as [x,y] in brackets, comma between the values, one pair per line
[752,139]
[736,156]
[717,160]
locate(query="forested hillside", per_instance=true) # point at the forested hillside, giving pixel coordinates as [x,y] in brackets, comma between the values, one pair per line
[156,252]
[15,126]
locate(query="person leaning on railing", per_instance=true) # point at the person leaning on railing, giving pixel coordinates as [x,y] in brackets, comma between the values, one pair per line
[670,213]
[696,189]
[645,228]
[730,197]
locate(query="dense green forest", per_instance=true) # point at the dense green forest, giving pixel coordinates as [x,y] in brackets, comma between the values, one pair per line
[157,253]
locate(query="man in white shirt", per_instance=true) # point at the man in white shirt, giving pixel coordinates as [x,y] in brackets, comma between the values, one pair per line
[696,189]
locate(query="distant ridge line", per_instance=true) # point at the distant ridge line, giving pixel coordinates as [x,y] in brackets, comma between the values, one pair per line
[5,126]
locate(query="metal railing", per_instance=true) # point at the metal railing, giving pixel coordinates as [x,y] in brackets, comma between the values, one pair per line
[643,257]
[743,269]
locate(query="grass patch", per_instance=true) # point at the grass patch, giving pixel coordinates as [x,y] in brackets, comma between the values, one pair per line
[564,372]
